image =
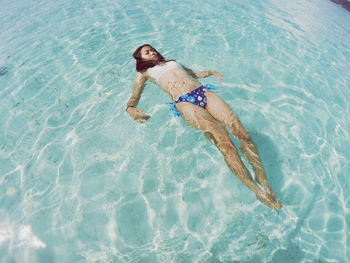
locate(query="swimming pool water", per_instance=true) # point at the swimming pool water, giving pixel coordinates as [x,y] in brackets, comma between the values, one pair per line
[81,182]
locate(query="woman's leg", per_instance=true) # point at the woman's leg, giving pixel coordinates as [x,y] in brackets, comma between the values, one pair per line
[221,111]
[199,118]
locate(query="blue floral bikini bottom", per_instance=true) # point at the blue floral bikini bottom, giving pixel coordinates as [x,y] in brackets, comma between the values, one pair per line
[196,97]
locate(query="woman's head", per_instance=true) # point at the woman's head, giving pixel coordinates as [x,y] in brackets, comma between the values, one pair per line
[146,57]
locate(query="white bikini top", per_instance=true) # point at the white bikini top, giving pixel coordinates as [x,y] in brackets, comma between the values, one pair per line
[157,71]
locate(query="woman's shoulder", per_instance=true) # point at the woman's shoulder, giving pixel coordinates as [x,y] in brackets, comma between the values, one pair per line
[141,76]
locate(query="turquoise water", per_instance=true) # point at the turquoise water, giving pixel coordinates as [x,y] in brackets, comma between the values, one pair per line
[81,182]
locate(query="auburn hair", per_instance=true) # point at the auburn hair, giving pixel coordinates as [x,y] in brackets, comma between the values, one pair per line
[142,65]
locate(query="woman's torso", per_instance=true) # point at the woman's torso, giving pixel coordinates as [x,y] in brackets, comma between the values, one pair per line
[173,79]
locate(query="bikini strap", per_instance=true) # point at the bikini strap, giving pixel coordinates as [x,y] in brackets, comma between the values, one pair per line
[173,109]
[209,86]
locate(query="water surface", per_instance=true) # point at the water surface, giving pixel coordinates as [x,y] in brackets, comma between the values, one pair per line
[81,182]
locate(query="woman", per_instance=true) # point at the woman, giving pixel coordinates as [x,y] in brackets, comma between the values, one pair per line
[202,109]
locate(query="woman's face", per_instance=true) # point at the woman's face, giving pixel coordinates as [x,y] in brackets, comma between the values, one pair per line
[148,54]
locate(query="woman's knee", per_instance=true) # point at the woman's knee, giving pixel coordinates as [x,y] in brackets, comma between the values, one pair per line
[242,134]
[221,140]
[210,137]
[237,128]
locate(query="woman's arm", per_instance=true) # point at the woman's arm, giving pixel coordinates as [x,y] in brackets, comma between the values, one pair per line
[204,74]
[135,113]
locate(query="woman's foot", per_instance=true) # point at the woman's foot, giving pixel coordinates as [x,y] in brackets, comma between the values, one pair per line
[270,201]
[270,193]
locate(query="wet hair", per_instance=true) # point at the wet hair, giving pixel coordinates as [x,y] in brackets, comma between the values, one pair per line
[141,65]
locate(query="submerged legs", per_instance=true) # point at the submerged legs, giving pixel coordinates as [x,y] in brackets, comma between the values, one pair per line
[217,134]
[234,162]
[222,112]
[250,151]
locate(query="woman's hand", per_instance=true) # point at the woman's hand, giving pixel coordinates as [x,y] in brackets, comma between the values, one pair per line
[218,75]
[137,114]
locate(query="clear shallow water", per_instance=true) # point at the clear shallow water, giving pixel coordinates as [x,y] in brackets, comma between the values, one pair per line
[81,182]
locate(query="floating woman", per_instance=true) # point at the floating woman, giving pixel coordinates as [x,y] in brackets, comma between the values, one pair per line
[203,109]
